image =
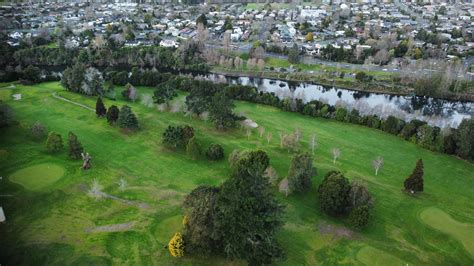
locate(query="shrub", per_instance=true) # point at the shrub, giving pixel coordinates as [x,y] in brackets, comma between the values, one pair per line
[341,114]
[38,131]
[176,246]
[465,140]
[193,149]
[359,217]
[215,152]
[54,143]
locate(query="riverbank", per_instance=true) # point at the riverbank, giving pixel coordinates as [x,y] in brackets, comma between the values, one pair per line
[343,83]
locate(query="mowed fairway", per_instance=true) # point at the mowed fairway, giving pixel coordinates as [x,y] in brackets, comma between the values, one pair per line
[60,224]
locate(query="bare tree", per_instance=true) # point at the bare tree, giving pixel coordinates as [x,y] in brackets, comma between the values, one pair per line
[202,34]
[281,135]
[95,190]
[297,134]
[377,163]
[261,131]
[289,142]
[272,175]
[335,154]
[313,143]
[86,158]
[248,132]
[284,187]
[226,40]
[122,183]
[269,137]
[382,57]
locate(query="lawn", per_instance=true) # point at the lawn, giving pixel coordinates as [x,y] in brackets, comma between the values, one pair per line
[54,223]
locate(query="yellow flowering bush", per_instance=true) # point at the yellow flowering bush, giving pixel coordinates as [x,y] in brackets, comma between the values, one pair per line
[176,246]
[185,220]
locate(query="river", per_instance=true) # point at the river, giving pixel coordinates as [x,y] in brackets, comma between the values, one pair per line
[436,112]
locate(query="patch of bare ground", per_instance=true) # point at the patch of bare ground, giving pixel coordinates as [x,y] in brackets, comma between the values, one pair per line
[336,231]
[111,228]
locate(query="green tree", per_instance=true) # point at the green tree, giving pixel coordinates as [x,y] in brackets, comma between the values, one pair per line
[359,217]
[100,109]
[333,193]
[228,24]
[173,136]
[202,19]
[220,111]
[75,147]
[300,173]
[164,93]
[127,119]
[38,131]
[247,215]
[294,54]
[193,149]
[392,125]
[32,74]
[215,152]
[309,37]
[73,77]
[464,138]
[112,114]
[414,182]
[54,143]
[200,230]
[341,114]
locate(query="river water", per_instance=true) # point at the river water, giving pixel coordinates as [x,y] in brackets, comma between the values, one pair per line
[437,112]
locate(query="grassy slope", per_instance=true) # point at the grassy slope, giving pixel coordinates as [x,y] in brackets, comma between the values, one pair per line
[55,219]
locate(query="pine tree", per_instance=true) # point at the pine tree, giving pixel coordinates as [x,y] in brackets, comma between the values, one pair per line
[300,173]
[127,119]
[100,109]
[54,143]
[75,147]
[112,114]
[414,182]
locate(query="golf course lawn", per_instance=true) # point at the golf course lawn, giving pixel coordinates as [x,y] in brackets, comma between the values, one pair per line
[38,176]
[52,220]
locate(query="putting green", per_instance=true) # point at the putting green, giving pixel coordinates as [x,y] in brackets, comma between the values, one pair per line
[38,176]
[439,220]
[372,256]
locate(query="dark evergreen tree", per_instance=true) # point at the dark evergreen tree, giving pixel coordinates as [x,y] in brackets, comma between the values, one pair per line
[75,147]
[414,183]
[247,214]
[54,143]
[32,74]
[127,119]
[300,173]
[100,109]
[220,111]
[333,193]
[112,114]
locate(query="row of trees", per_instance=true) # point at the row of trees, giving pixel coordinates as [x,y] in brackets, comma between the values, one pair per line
[124,118]
[183,137]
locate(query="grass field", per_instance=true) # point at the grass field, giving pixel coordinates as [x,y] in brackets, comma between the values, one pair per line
[55,224]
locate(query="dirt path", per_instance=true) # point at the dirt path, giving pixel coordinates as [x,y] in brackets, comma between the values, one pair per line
[75,103]
[111,228]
